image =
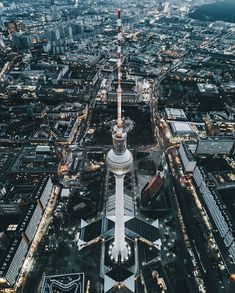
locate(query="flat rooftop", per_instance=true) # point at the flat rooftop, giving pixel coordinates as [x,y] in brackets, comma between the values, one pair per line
[228,197]
[216,164]
[33,159]
[6,159]
[206,88]
[179,127]
[229,87]
[175,114]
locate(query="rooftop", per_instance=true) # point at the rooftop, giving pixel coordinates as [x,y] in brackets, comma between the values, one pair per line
[175,114]
[35,159]
[183,128]
[207,88]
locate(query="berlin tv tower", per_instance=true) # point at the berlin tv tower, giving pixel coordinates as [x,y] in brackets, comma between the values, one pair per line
[119,161]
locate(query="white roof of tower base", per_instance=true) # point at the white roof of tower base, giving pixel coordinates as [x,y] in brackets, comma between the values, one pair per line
[108,283]
[130,283]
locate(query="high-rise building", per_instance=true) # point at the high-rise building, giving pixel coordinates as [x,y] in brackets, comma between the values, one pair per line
[68,32]
[2,43]
[55,34]
[21,40]
[16,38]
[26,41]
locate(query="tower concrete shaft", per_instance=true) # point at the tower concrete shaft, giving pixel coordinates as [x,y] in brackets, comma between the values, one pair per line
[119,246]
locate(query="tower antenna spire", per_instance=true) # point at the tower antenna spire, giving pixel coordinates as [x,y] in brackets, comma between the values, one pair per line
[119,67]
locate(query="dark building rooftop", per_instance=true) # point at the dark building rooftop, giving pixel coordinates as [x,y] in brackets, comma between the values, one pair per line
[31,160]
[143,229]
[119,273]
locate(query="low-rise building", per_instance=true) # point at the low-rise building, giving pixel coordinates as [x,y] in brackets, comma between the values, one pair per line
[182,130]
[175,114]
[215,145]
[187,157]
[19,235]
